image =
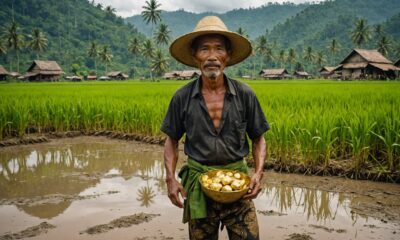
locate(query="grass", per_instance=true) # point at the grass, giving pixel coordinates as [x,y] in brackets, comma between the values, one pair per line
[312,122]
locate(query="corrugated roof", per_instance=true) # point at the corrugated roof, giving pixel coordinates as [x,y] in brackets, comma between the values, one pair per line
[369,55]
[3,71]
[385,67]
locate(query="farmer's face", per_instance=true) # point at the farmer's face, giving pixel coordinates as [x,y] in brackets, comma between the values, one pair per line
[211,55]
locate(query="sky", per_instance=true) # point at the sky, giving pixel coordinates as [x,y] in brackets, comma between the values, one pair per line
[127,8]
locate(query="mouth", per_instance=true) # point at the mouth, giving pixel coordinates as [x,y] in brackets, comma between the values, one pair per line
[212,66]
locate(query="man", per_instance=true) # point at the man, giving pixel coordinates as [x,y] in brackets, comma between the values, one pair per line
[215,113]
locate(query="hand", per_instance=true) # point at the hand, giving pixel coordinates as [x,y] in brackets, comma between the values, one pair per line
[254,187]
[174,190]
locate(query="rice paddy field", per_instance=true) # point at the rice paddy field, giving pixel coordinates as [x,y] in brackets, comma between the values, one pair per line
[314,123]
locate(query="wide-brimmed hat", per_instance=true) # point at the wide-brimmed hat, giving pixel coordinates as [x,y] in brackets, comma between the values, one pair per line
[180,49]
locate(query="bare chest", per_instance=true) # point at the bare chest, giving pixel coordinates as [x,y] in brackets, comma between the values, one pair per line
[215,105]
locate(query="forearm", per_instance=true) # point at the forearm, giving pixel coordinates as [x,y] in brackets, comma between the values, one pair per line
[171,154]
[259,152]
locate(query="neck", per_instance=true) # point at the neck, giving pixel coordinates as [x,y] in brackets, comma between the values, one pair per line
[211,84]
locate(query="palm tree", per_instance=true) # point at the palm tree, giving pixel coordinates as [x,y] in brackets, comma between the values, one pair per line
[3,49]
[162,35]
[361,33]
[378,29]
[93,52]
[148,52]
[151,13]
[384,45]
[309,56]
[106,55]
[263,49]
[282,57]
[334,47]
[110,11]
[134,49]
[14,40]
[242,32]
[159,62]
[38,41]
[291,57]
[320,59]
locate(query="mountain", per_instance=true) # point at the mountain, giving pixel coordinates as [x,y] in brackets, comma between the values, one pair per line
[255,21]
[69,26]
[320,23]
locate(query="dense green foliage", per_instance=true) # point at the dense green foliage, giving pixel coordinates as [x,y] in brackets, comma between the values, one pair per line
[255,20]
[311,122]
[69,26]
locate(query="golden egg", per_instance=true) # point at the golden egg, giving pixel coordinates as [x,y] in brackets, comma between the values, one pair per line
[237,175]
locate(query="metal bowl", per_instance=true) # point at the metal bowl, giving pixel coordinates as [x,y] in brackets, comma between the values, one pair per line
[225,197]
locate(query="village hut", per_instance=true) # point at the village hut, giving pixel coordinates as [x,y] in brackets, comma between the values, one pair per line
[3,73]
[330,72]
[171,75]
[279,73]
[14,75]
[74,78]
[43,71]
[189,74]
[90,77]
[367,64]
[117,75]
[301,75]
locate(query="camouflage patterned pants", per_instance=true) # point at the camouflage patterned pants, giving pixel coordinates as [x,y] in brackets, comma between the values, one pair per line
[239,218]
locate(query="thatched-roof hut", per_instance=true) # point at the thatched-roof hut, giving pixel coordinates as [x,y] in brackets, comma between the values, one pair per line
[43,71]
[171,75]
[117,75]
[397,64]
[301,75]
[330,72]
[364,64]
[3,73]
[279,73]
[189,74]
[90,77]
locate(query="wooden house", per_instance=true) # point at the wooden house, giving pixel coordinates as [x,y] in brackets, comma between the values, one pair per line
[43,71]
[367,64]
[3,73]
[117,75]
[301,75]
[90,77]
[279,73]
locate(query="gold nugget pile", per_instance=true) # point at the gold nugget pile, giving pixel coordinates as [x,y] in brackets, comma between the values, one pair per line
[224,181]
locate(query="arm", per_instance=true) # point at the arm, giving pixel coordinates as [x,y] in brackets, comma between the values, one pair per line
[171,153]
[259,152]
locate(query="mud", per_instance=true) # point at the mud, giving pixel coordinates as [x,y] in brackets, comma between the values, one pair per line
[122,222]
[86,181]
[29,232]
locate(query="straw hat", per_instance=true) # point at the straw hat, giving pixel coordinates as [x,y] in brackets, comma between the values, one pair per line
[181,51]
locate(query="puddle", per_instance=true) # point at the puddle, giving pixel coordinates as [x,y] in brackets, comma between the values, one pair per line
[79,183]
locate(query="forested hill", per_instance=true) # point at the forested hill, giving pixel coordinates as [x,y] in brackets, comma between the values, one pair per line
[69,26]
[319,23]
[254,21]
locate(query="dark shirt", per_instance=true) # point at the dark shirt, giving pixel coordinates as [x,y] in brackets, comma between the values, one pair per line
[241,114]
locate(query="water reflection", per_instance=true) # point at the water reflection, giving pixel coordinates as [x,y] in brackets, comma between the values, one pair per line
[69,170]
[44,170]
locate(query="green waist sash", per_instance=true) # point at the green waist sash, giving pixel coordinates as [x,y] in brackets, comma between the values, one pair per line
[195,205]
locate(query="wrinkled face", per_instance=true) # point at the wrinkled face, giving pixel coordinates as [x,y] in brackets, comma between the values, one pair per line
[211,54]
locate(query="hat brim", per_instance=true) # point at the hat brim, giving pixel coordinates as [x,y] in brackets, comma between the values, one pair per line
[181,50]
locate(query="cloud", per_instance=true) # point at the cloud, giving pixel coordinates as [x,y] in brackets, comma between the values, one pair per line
[127,8]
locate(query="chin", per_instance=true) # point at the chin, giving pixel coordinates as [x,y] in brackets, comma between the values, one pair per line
[212,74]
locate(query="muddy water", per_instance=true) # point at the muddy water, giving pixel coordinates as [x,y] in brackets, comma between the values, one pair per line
[97,188]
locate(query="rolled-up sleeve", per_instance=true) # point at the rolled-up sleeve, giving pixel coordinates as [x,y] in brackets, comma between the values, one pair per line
[172,124]
[256,121]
